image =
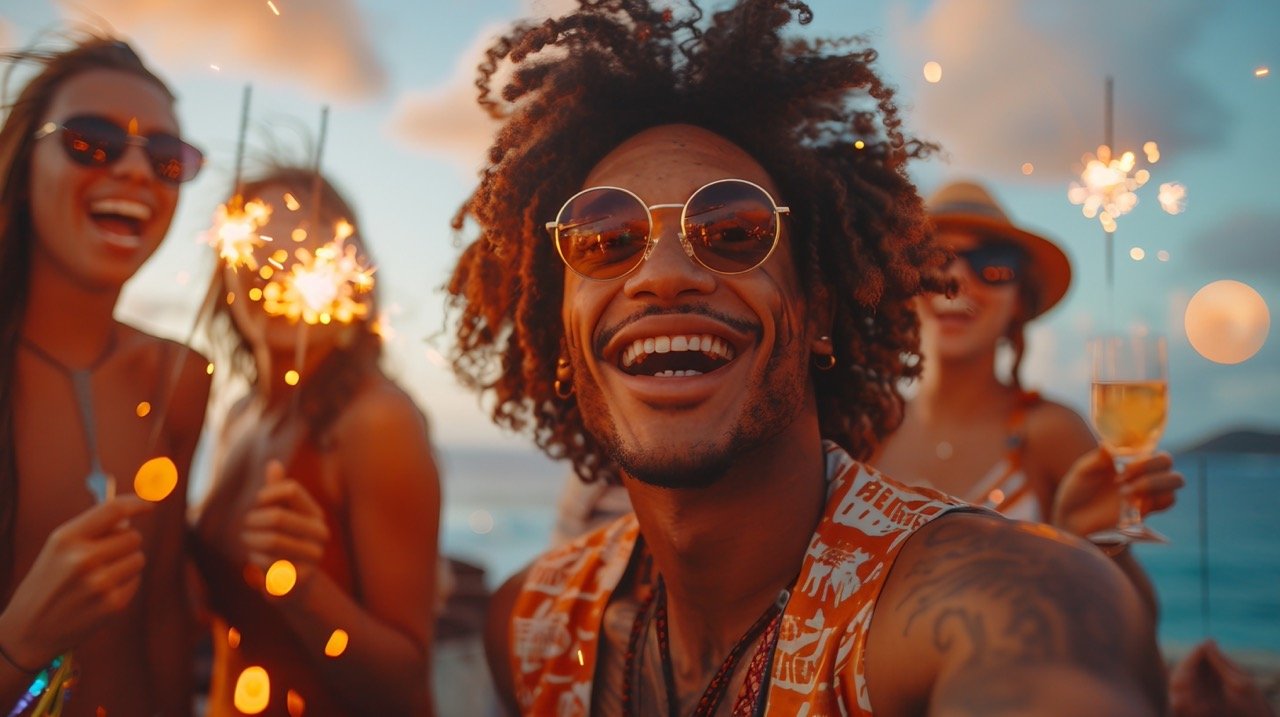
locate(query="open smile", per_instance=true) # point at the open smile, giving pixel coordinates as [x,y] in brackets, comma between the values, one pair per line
[673,356]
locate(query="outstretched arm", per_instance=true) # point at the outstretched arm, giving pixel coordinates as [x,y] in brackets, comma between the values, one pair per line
[983,616]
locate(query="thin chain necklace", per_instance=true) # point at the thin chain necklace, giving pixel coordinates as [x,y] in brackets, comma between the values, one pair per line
[98,482]
[767,623]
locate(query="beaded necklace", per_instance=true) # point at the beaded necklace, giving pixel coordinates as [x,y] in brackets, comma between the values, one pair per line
[745,704]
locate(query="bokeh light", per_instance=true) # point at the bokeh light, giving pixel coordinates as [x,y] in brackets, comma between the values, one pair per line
[480,522]
[291,377]
[233,638]
[859,144]
[1162,255]
[253,690]
[142,409]
[1172,197]
[1137,253]
[1028,168]
[337,643]
[1227,321]
[281,577]
[209,368]
[1262,71]
[933,72]
[156,479]
[295,704]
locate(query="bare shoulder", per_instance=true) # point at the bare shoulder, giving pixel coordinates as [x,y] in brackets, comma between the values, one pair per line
[381,440]
[179,374]
[983,615]
[379,405]
[1055,437]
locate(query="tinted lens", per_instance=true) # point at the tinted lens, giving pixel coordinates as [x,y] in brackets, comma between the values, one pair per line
[732,225]
[172,159]
[93,141]
[602,233]
[995,264]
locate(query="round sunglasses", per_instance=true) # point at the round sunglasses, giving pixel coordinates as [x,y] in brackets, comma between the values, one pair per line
[729,226]
[994,264]
[95,141]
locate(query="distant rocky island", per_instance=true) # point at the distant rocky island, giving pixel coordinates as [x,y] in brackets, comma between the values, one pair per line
[1237,441]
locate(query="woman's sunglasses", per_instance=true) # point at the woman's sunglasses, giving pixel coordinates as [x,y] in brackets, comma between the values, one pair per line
[994,264]
[94,141]
[729,226]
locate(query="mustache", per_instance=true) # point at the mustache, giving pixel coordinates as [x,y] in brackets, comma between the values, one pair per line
[691,309]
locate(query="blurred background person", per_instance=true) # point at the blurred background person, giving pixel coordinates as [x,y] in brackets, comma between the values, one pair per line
[981,436]
[335,474]
[91,160]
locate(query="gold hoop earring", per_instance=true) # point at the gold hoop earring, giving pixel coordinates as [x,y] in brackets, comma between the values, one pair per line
[564,378]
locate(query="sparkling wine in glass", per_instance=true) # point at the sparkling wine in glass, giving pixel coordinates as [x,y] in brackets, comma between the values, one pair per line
[1129,403]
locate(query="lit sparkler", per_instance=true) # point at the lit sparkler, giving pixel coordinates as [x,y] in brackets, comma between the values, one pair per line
[329,284]
[1172,197]
[235,232]
[1106,187]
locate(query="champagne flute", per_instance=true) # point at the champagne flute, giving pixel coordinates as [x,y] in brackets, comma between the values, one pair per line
[1129,404]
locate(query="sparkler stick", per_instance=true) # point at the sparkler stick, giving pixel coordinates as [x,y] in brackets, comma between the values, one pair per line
[1109,108]
[207,302]
[300,354]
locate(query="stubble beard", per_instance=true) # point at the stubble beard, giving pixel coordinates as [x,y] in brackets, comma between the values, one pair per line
[779,396]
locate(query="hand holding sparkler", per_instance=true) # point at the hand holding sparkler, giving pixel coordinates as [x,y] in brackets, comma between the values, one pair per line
[285,533]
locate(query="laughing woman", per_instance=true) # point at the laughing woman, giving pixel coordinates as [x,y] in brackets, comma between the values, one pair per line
[90,575]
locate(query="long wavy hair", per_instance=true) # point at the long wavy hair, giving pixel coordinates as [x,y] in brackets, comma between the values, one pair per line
[23,115]
[815,115]
[328,390]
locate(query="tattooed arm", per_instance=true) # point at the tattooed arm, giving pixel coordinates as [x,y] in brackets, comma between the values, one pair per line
[983,616]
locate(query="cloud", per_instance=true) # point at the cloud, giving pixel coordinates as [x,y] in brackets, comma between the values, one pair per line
[321,45]
[446,120]
[1024,82]
[1245,246]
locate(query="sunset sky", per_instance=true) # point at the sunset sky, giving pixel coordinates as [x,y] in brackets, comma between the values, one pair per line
[1022,82]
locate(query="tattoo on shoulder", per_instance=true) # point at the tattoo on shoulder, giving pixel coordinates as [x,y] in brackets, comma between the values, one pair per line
[1003,595]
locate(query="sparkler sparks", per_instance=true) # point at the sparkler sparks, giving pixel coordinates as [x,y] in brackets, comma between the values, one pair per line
[273,7]
[1172,197]
[1262,71]
[329,284]
[1106,189]
[235,232]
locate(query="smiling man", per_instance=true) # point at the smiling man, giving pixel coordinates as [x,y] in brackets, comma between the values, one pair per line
[697,244]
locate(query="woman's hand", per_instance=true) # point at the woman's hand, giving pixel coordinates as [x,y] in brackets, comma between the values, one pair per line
[285,523]
[1089,496]
[89,568]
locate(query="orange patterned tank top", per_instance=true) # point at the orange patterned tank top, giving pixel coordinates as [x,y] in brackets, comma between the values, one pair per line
[817,668]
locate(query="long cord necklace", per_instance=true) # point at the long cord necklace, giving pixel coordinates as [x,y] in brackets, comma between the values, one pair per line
[101,485]
[52,685]
[713,695]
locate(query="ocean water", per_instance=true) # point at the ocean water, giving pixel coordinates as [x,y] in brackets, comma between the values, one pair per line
[499,509]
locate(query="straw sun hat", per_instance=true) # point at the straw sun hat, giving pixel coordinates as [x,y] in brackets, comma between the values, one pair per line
[968,206]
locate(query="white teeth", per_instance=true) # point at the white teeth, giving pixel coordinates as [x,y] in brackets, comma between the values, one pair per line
[668,344]
[123,207]
[669,373]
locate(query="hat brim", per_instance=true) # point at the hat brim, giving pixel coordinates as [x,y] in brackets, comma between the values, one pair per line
[1050,271]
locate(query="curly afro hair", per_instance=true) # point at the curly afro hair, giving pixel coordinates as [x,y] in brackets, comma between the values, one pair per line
[815,115]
